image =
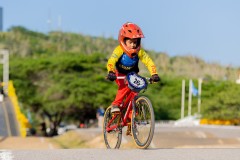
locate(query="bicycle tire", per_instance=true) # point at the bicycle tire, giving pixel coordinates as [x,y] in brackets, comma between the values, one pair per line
[113,138]
[143,122]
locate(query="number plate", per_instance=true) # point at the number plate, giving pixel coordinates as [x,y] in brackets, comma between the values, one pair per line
[136,82]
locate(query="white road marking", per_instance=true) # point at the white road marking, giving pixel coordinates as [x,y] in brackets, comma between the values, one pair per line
[220,127]
[124,140]
[152,145]
[200,134]
[50,146]
[42,140]
[188,133]
[6,155]
[220,141]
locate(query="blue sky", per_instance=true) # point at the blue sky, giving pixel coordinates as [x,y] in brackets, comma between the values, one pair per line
[208,29]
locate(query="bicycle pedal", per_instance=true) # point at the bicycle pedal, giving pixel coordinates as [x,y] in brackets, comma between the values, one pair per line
[128,133]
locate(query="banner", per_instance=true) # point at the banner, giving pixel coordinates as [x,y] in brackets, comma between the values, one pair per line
[194,90]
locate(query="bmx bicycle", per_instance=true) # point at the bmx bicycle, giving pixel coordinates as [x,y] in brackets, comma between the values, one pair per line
[136,112]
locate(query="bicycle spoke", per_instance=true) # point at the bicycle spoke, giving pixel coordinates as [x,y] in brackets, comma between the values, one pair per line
[143,123]
[112,130]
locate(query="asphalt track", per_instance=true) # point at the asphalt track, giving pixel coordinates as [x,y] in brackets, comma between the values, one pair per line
[130,154]
[8,123]
[169,143]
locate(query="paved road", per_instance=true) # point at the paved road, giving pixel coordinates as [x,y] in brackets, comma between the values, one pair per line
[169,143]
[197,137]
[131,154]
[4,130]
[170,136]
[8,123]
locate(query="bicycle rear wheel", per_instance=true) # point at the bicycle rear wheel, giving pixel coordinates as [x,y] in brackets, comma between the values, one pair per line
[143,122]
[113,137]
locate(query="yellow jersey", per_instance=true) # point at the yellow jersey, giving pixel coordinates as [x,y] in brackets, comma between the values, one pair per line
[121,62]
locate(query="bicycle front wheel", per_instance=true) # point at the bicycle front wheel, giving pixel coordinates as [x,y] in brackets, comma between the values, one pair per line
[111,130]
[143,122]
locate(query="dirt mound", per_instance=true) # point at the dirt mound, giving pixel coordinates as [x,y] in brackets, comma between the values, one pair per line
[27,143]
[88,139]
[84,138]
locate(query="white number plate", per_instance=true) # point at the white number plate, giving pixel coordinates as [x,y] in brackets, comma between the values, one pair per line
[136,81]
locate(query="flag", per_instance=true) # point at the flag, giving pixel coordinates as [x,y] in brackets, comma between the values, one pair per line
[194,90]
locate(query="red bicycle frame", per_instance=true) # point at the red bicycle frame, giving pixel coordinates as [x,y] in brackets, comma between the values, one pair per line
[129,100]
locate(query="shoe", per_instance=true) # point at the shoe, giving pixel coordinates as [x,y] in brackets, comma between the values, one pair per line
[115,109]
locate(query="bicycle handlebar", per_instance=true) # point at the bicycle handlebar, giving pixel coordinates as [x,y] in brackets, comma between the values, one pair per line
[150,80]
[121,77]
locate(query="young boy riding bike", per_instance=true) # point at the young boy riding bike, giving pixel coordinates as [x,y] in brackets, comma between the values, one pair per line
[125,58]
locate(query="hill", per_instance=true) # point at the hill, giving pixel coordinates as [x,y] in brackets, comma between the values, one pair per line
[25,43]
[60,77]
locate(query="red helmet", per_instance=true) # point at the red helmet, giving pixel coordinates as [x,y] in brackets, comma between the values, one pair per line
[130,30]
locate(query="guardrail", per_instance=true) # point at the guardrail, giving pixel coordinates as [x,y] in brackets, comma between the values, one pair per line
[21,118]
[220,122]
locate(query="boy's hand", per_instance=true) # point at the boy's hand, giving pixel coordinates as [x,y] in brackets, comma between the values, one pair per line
[111,76]
[155,78]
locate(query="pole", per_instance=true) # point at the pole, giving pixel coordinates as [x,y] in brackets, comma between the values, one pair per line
[5,62]
[190,98]
[183,98]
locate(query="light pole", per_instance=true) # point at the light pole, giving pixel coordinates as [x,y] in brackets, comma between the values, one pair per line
[5,61]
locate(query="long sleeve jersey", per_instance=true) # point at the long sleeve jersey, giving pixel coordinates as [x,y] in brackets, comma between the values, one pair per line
[121,62]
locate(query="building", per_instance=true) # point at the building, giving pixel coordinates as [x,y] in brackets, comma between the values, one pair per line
[1,19]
